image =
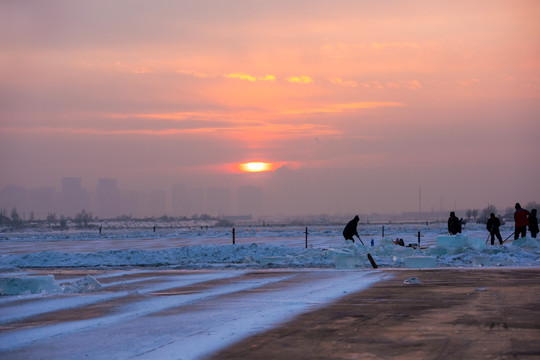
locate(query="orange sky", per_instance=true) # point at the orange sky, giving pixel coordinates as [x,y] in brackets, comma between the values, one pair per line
[357,103]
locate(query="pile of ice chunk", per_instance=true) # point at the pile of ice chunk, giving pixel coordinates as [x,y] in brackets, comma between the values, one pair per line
[351,256]
[46,284]
[28,285]
[458,250]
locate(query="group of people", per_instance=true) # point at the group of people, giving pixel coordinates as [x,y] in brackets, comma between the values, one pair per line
[522,219]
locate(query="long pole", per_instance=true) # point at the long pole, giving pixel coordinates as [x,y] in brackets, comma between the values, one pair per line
[509,237]
[306,237]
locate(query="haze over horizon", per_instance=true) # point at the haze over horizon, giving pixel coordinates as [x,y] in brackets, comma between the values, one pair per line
[353,105]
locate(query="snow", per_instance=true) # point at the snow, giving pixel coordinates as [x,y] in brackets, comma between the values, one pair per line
[256,247]
[196,280]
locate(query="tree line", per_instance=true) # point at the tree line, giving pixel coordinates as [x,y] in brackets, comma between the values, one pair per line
[482,216]
[83,219]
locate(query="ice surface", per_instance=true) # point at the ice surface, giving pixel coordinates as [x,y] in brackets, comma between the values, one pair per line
[190,332]
[275,260]
[419,262]
[476,243]
[282,246]
[449,241]
[412,281]
[86,284]
[437,251]
[349,261]
[19,285]
[481,260]
[28,285]
[527,242]
[141,252]
[399,253]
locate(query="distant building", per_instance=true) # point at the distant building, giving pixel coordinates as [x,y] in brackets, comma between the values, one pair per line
[13,196]
[250,200]
[73,197]
[41,201]
[130,204]
[157,205]
[107,198]
[218,201]
[180,200]
[195,201]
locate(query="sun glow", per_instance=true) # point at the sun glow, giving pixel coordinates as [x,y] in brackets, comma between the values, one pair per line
[255,166]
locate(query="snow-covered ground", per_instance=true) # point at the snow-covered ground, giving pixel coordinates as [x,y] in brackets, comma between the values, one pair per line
[183,293]
[255,247]
[165,314]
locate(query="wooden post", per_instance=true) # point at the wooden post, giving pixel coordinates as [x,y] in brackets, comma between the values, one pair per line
[383,231]
[233,236]
[419,240]
[306,237]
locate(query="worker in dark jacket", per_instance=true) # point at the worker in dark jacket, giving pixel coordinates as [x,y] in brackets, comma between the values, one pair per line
[350,229]
[493,225]
[533,223]
[521,218]
[454,225]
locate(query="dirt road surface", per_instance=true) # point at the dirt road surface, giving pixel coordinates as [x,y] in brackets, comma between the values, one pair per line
[451,314]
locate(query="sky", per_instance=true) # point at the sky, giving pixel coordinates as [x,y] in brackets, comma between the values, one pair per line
[354,105]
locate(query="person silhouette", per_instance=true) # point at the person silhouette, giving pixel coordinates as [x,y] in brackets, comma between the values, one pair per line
[350,229]
[533,223]
[493,225]
[454,225]
[521,219]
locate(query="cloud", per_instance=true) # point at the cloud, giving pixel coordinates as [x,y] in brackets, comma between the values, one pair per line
[267,78]
[411,85]
[123,67]
[467,83]
[383,45]
[197,74]
[347,83]
[338,108]
[250,78]
[414,85]
[404,84]
[373,84]
[302,79]
[241,77]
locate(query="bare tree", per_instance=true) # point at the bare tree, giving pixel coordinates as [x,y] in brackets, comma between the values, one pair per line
[484,215]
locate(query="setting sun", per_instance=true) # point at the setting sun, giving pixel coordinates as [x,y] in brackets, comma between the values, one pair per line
[255,166]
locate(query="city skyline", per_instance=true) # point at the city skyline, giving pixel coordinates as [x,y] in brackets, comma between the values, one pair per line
[108,200]
[330,107]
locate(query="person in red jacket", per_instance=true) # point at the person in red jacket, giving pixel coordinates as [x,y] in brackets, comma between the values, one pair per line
[521,218]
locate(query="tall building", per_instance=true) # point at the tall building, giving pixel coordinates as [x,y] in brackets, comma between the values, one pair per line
[218,201]
[180,200]
[73,197]
[130,204]
[195,201]
[250,200]
[157,205]
[41,201]
[107,198]
[13,196]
